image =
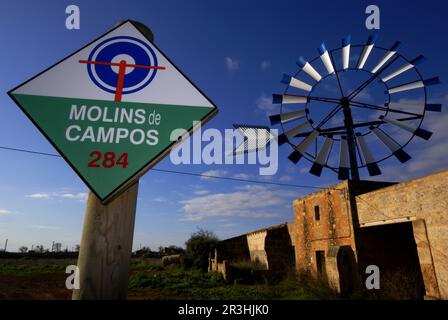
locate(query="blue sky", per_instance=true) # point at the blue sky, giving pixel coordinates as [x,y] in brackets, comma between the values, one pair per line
[236,52]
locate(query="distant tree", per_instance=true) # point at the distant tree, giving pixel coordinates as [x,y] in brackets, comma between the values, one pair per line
[174,250]
[177,248]
[161,250]
[23,249]
[57,247]
[198,248]
[77,248]
[39,248]
[144,250]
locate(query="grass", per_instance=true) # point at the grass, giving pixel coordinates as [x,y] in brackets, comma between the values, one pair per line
[149,280]
[25,266]
[248,265]
[178,283]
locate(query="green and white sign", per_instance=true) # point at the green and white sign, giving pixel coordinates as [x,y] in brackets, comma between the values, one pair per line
[109,108]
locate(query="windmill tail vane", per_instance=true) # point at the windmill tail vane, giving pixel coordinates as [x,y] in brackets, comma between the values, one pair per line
[345,131]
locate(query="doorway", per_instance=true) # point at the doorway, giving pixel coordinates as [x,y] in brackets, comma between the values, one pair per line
[392,248]
[320,263]
[348,274]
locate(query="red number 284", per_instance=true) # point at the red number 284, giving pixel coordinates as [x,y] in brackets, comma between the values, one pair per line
[107,160]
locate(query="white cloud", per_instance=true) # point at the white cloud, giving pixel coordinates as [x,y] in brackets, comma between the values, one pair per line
[201,192]
[232,64]
[214,173]
[38,196]
[427,156]
[267,178]
[81,196]
[265,65]
[159,199]
[304,169]
[4,211]
[331,87]
[291,169]
[264,103]
[248,201]
[241,176]
[45,227]
[363,96]
[285,178]
[229,225]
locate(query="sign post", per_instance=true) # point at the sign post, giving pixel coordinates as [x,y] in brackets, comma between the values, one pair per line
[106,243]
[110,110]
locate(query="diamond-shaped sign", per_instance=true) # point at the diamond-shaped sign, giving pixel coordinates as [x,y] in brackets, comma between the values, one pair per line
[110,108]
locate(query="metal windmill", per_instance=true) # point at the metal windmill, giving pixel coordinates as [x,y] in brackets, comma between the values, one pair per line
[350,118]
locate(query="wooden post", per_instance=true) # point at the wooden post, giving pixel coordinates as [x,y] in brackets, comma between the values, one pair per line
[106,243]
[106,246]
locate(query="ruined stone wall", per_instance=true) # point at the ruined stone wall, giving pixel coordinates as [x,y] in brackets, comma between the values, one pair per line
[256,242]
[234,249]
[279,249]
[270,248]
[424,200]
[292,231]
[333,228]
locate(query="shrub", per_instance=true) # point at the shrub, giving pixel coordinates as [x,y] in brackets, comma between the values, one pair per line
[176,279]
[198,247]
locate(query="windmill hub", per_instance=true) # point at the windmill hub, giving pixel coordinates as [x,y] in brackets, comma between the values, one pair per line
[344,102]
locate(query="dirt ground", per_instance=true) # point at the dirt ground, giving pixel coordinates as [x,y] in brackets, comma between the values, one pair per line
[41,279]
[47,286]
[51,286]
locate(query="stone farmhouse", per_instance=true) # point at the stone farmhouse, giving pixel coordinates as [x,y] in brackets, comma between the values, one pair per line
[337,232]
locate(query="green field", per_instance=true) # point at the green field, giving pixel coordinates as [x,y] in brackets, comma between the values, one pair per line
[45,279]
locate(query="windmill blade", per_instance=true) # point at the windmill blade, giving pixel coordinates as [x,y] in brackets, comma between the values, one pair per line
[372,167]
[391,144]
[301,148]
[296,83]
[256,138]
[346,51]
[366,51]
[288,135]
[288,98]
[288,116]
[325,57]
[392,51]
[322,157]
[405,104]
[343,172]
[419,132]
[404,68]
[414,85]
[308,68]
[434,107]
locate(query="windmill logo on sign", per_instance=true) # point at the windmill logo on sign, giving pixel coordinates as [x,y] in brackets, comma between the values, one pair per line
[122,65]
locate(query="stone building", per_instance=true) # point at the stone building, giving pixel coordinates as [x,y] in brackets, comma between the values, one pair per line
[337,232]
[267,249]
[401,228]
